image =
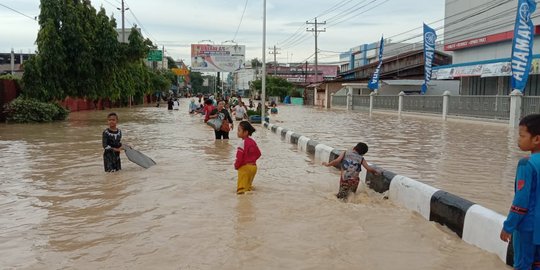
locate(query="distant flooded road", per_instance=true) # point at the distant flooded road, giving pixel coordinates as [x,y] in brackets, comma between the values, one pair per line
[59,210]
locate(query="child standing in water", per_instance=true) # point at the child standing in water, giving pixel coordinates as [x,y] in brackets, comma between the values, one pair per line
[351,164]
[246,157]
[523,223]
[112,145]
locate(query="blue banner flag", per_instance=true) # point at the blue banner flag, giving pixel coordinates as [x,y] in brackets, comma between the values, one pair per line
[522,44]
[374,82]
[429,52]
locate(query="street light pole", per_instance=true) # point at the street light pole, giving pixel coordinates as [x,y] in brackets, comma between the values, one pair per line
[263,96]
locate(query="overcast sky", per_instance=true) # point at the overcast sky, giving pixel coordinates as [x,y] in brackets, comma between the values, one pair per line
[178,23]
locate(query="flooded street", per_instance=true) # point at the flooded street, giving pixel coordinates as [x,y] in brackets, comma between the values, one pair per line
[59,210]
[472,159]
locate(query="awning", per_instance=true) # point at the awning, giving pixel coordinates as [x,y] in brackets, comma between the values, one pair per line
[492,69]
[403,82]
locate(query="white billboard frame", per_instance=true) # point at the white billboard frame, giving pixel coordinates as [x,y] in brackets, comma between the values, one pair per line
[217,58]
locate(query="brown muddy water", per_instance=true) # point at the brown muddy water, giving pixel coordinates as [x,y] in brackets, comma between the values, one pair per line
[59,210]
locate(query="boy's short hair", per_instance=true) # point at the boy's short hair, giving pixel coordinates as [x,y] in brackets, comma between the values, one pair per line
[532,123]
[361,148]
[113,114]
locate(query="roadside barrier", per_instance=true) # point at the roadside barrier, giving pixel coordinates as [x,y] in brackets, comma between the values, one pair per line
[472,222]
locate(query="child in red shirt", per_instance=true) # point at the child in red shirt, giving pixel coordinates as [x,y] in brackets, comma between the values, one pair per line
[208,108]
[246,157]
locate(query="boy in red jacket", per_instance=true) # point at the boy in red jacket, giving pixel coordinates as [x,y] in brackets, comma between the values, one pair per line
[246,157]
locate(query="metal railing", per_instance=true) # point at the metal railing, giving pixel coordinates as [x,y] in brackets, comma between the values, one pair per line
[530,105]
[360,102]
[339,100]
[495,107]
[426,104]
[489,107]
[386,102]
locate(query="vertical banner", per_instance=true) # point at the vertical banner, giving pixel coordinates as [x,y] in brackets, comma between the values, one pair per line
[429,52]
[522,44]
[374,82]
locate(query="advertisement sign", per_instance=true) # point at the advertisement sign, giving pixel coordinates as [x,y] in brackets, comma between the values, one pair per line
[522,44]
[443,74]
[429,53]
[180,71]
[496,69]
[217,58]
[467,71]
[373,84]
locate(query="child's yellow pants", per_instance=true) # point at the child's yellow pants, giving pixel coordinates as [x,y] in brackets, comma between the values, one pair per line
[246,174]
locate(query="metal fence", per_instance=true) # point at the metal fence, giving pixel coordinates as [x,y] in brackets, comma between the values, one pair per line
[530,105]
[360,102]
[339,100]
[386,102]
[496,107]
[426,104]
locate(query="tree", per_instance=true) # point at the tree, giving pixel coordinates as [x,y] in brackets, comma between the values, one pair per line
[196,81]
[79,55]
[43,77]
[171,63]
[256,63]
[275,86]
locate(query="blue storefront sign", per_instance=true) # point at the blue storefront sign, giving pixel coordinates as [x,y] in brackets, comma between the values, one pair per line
[429,53]
[522,44]
[373,84]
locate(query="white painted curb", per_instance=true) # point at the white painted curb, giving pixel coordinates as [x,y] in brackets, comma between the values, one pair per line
[278,131]
[412,194]
[270,126]
[288,136]
[302,143]
[482,228]
[322,152]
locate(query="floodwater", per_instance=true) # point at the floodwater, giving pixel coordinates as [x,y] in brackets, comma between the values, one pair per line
[59,210]
[475,160]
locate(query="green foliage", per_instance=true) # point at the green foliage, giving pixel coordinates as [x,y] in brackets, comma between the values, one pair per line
[79,55]
[171,63]
[275,86]
[29,110]
[251,112]
[295,92]
[255,62]
[9,77]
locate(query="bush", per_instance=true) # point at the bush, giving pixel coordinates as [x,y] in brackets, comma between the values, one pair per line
[295,93]
[251,112]
[27,110]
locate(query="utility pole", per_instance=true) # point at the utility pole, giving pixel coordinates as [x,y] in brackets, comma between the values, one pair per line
[123,9]
[316,31]
[163,58]
[275,53]
[12,58]
[263,82]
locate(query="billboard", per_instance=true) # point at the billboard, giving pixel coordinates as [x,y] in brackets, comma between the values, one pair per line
[217,58]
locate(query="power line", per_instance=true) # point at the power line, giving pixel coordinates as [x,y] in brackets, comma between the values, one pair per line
[14,10]
[334,7]
[353,14]
[350,9]
[241,18]
[141,25]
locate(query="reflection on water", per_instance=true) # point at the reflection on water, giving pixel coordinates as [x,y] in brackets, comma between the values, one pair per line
[59,210]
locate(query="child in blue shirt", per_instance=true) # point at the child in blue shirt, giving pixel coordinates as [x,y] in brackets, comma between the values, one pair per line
[523,221]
